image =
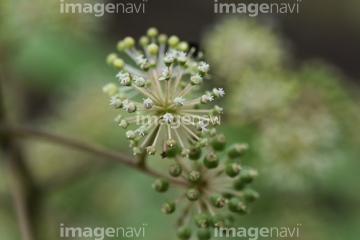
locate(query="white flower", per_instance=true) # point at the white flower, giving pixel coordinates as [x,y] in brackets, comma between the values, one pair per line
[125,80]
[139,81]
[168,118]
[129,106]
[121,75]
[166,75]
[201,126]
[148,103]
[179,101]
[182,57]
[169,58]
[140,60]
[115,102]
[196,79]
[218,92]
[204,67]
[143,131]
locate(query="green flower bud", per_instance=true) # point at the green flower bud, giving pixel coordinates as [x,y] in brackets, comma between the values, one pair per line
[175,170]
[183,233]
[173,151]
[118,63]
[110,58]
[144,41]
[237,150]
[211,160]
[160,185]
[202,220]
[195,153]
[204,234]
[129,42]
[192,194]
[248,175]
[229,221]
[173,41]
[232,169]
[168,207]
[183,46]
[237,206]
[212,132]
[162,38]
[250,195]
[218,142]
[153,49]
[217,221]
[194,177]
[203,142]
[121,46]
[110,89]
[218,201]
[217,110]
[239,184]
[152,32]
[150,150]
[185,152]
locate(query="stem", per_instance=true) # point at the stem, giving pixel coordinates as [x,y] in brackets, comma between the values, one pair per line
[89,147]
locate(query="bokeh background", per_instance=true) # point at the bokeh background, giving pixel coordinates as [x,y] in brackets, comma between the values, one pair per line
[292,93]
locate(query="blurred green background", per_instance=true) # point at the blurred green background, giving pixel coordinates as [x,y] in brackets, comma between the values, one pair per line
[292,93]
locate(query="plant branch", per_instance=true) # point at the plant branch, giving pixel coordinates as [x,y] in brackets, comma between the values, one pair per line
[88,147]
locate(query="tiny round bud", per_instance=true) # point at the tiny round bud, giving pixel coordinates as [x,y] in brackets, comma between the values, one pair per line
[204,234]
[121,46]
[204,99]
[202,220]
[217,221]
[195,153]
[237,206]
[130,135]
[130,107]
[160,185]
[173,41]
[232,169]
[250,195]
[110,58]
[218,142]
[175,170]
[148,103]
[118,63]
[196,80]
[150,150]
[118,118]
[239,184]
[183,46]
[142,130]
[139,81]
[129,42]
[236,150]
[168,207]
[153,49]
[170,143]
[162,38]
[193,194]
[248,175]
[185,152]
[217,110]
[218,201]
[203,68]
[116,102]
[183,233]
[152,32]
[137,150]
[229,221]
[144,41]
[212,133]
[173,151]
[194,177]
[110,89]
[123,123]
[211,160]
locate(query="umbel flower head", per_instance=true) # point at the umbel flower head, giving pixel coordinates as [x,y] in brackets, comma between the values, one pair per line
[216,185]
[169,113]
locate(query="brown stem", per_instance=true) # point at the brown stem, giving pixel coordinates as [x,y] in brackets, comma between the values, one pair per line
[89,147]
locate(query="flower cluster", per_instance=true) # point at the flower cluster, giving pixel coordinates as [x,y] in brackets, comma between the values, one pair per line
[166,75]
[216,186]
[171,118]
